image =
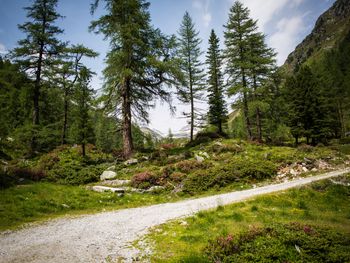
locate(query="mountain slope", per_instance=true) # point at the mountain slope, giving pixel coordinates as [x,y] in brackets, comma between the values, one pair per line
[330,28]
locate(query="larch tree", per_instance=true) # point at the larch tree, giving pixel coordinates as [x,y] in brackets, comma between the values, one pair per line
[39,49]
[217,114]
[238,32]
[66,74]
[191,66]
[140,62]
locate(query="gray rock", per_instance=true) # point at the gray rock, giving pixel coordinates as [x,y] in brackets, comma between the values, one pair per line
[131,161]
[199,158]
[155,188]
[101,189]
[116,182]
[111,168]
[107,175]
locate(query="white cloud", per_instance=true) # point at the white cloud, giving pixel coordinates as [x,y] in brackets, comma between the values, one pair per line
[203,7]
[264,10]
[295,3]
[286,37]
[2,49]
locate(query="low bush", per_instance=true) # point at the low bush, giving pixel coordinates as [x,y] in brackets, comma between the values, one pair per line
[144,180]
[222,148]
[66,165]
[204,137]
[281,243]
[33,174]
[188,166]
[236,169]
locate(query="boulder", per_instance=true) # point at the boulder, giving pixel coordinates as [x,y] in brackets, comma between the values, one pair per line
[199,158]
[106,175]
[155,188]
[117,182]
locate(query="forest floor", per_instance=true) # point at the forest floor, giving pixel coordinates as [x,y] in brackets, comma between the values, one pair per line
[108,236]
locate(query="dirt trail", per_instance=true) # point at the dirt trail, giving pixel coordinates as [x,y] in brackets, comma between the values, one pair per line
[95,238]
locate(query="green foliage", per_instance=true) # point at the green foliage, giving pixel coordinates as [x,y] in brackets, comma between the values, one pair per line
[66,165]
[217,114]
[281,243]
[189,53]
[235,170]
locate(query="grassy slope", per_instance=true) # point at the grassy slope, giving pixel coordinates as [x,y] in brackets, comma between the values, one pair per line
[322,203]
[40,201]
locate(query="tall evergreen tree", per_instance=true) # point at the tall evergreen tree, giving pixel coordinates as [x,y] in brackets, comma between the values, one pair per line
[37,51]
[191,66]
[139,63]
[217,109]
[262,66]
[83,96]
[239,30]
[66,74]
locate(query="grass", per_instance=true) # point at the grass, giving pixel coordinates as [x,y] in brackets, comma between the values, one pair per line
[41,201]
[323,204]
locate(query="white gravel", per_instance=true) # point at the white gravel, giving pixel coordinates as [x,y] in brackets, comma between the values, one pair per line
[106,236]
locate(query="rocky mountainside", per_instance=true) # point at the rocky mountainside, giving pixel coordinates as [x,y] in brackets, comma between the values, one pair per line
[330,28]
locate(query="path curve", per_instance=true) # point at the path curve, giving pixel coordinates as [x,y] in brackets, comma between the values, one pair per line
[94,238]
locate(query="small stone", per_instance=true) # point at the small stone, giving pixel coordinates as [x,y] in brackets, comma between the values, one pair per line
[305,169]
[199,158]
[107,175]
[131,161]
[65,206]
[314,170]
[101,189]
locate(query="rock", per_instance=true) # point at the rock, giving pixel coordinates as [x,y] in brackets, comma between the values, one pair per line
[65,206]
[107,175]
[117,182]
[314,170]
[199,158]
[307,160]
[293,172]
[131,161]
[155,188]
[111,168]
[305,169]
[101,189]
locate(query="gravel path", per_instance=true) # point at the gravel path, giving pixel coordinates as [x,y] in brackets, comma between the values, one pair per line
[95,238]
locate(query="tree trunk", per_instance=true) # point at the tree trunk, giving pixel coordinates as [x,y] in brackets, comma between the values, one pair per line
[36,97]
[83,149]
[192,113]
[245,106]
[65,117]
[296,141]
[126,111]
[257,114]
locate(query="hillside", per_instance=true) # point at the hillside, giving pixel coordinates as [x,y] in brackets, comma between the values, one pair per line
[330,28]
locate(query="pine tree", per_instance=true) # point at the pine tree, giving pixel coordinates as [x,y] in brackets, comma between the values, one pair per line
[239,30]
[262,66]
[189,53]
[217,111]
[139,63]
[83,96]
[37,51]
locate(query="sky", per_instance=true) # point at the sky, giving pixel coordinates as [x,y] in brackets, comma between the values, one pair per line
[284,22]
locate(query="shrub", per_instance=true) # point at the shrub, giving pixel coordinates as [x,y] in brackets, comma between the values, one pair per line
[236,169]
[305,148]
[204,137]
[33,174]
[144,180]
[281,243]
[188,166]
[222,148]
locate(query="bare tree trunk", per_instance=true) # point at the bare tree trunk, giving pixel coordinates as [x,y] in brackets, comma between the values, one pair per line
[192,113]
[126,111]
